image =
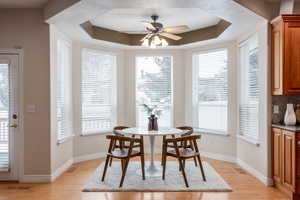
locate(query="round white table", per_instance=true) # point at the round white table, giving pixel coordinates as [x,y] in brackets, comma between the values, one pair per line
[154,169]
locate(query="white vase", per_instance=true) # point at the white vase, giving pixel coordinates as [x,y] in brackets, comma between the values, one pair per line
[290,116]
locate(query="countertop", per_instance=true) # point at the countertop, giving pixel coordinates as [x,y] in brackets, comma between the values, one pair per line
[295,128]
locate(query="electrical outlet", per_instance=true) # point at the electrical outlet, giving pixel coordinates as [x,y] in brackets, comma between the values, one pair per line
[275,109]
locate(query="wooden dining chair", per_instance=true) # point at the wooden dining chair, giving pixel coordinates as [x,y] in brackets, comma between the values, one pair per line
[124,154]
[117,131]
[189,144]
[182,154]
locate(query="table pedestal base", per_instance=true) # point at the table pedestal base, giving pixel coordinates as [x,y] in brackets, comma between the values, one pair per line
[152,170]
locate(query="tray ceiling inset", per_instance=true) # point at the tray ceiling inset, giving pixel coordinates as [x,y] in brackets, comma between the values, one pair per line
[129,19]
[124,25]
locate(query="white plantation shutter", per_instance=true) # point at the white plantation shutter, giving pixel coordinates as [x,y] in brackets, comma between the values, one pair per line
[210,91]
[98,91]
[154,88]
[63,90]
[249,89]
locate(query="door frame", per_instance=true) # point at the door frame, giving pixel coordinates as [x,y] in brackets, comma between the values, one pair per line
[20,90]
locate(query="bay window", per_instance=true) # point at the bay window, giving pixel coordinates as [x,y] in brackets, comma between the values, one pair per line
[249,89]
[98,91]
[210,91]
[63,91]
[154,88]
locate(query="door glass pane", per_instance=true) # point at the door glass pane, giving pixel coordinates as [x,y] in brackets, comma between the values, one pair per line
[4,116]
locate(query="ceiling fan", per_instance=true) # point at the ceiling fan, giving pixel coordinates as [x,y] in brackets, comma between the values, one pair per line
[156,29]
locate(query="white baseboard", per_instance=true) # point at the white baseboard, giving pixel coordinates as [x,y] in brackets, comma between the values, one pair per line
[221,157]
[265,180]
[36,179]
[89,157]
[62,169]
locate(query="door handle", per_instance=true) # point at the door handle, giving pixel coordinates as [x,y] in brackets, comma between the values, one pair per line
[14,126]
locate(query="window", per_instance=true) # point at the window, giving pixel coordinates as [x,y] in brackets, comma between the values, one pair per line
[98,91]
[154,88]
[210,91]
[249,89]
[63,90]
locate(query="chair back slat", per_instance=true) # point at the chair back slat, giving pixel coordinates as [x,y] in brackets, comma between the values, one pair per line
[183,138]
[123,138]
[189,130]
[117,129]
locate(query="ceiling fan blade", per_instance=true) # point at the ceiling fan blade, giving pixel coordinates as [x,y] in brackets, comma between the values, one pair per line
[136,32]
[146,37]
[148,25]
[176,28]
[170,35]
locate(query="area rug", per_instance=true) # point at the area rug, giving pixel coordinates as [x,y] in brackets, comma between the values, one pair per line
[173,182]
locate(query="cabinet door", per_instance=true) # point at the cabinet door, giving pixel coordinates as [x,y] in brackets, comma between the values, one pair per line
[277,64]
[288,160]
[292,58]
[277,154]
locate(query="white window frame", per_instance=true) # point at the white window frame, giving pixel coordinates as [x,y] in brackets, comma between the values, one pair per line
[172,86]
[195,103]
[255,141]
[67,90]
[114,93]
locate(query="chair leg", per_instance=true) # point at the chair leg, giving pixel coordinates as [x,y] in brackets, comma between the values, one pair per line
[201,168]
[143,166]
[124,172]
[105,168]
[110,161]
[183,172]
[192,147]
[164,166]
[163,149]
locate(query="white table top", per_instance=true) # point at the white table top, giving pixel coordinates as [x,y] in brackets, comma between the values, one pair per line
[144,131]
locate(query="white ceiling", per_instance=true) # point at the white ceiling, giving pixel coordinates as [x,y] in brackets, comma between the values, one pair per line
[22,3]
[102,12]
[129,19]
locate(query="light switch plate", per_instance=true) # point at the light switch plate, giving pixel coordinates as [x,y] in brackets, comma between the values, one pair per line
[275,109]
[30,108]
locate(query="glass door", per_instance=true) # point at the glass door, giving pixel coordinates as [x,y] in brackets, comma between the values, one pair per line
[8,116]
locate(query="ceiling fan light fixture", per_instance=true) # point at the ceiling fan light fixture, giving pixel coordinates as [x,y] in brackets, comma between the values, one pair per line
[152,44]
[164,43]
[157,40]
[145,43]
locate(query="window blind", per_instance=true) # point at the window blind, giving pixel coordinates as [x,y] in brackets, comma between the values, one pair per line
[154,88]
[98,94]
[210,91]
[249,89]
[63,90]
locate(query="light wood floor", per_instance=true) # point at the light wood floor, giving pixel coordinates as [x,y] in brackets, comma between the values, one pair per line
[69,185]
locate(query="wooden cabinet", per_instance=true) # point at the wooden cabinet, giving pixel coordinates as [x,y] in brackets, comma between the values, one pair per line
[286,55]
[286,171]
[277,155]
[288,160]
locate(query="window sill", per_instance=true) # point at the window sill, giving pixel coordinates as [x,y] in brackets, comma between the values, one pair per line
[210,132]
[104,132]
[249,140]
[66,139]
